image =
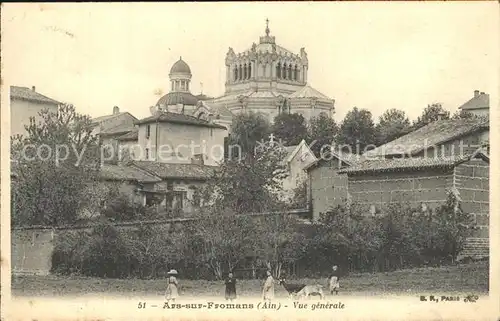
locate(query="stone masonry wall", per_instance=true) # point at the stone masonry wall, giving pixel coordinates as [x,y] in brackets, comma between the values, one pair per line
[472,182]
[380,190]
[328,188]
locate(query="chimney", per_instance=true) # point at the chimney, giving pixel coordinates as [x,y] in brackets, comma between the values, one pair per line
[476,93]
[116,110]
[33,88]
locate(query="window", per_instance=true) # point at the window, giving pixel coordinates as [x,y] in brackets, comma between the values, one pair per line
[147,153]
[148,131]
[211,132]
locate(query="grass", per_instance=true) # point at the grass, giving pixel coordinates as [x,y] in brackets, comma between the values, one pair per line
[466,278]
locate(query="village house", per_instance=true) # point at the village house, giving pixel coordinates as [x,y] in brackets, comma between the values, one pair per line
[425,182]
[296,159]
[26,103]
[327,188]
[177,138]
[478,105]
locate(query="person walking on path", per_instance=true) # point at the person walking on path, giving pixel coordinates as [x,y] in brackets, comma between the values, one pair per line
[268,291]
[172,292]
[230,287]
[334,281]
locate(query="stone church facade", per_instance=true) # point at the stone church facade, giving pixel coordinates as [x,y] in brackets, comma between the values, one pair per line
[266,79]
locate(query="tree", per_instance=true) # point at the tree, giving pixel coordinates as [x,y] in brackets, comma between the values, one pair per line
[430,114]
[391,125]
[357,131]
[246,130]
[322,131]
[56,162]
[291,128]
[464,114]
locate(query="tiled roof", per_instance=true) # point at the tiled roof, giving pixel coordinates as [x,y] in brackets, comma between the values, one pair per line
[25,93]
[133,135]
[406,164]
[126,173]
[101,119]
[433,134]
[175,118]
[120,129]
[179,171]
[346,158]
[479,102]
[308,92]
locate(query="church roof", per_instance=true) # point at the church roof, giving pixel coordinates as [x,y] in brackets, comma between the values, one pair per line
[24,93]
[174,98]
[180,67]
[308,92]
[175,118]
[217,109]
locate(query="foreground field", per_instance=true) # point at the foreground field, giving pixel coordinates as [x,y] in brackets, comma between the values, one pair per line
[466,278]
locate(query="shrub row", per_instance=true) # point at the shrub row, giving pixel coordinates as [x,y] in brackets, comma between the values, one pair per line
[402,237]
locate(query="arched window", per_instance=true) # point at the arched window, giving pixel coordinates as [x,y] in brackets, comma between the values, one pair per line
[278,70]
[245,71]
[285,75]
[296,73]
[173,87]
[290,72]
[249,70]
[235,73]
[240,74]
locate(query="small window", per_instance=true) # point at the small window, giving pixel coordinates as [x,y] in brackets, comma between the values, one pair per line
[148,131]
[147,153]
[211,132]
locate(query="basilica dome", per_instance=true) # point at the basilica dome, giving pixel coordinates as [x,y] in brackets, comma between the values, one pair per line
[180,67]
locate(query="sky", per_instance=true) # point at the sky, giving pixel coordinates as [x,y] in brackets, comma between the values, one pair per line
[369,55]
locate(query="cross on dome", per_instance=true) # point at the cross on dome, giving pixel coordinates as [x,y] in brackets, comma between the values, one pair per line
[267,27]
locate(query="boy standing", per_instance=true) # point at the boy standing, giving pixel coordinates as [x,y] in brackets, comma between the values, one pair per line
[334,281]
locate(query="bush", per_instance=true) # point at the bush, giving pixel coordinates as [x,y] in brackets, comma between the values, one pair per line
[400,237]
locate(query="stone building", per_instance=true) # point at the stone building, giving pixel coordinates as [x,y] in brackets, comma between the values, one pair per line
[327,187]
[478,105]
[269,79]
[178,138]
[426,182]
[297,158]
[26,103]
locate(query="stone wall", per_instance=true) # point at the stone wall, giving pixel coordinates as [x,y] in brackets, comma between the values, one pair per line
[379,190]
[32,247]
[32,251]
[472,182]
[328,188]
